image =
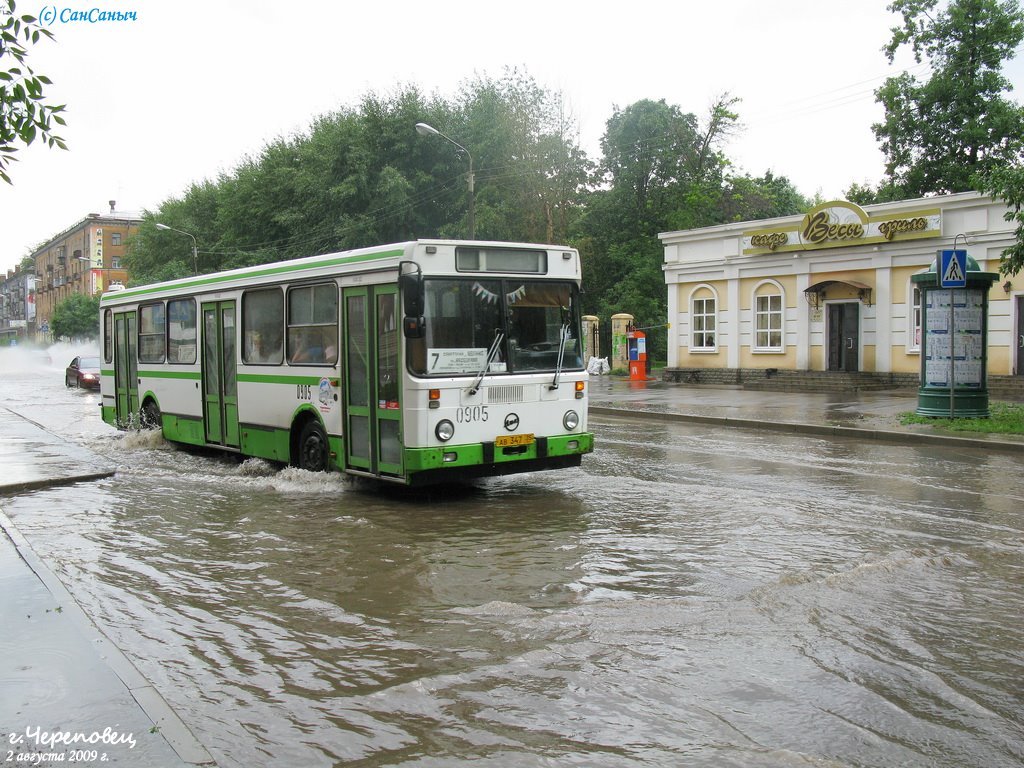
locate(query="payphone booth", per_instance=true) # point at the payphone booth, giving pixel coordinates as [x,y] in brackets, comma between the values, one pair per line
[636,350]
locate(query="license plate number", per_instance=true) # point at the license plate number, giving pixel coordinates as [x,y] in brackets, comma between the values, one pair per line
[507,441]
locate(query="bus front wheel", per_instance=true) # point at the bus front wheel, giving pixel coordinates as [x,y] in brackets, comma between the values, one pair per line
[314,450]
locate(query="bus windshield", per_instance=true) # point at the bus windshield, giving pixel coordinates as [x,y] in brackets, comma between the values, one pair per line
[533,322]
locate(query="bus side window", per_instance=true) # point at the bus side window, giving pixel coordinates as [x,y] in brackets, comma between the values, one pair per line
[262,324]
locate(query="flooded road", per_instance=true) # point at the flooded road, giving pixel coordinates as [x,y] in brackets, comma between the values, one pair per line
[691,596]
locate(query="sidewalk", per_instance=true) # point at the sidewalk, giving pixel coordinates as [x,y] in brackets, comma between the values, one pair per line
[68,692]
[861,415]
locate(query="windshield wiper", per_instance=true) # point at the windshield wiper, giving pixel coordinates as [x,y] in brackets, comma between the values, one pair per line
[491,354]
[563,334]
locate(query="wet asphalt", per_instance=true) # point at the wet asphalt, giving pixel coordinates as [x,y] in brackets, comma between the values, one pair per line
[66,685]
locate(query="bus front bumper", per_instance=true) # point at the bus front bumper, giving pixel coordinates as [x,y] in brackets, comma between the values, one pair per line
[483,459]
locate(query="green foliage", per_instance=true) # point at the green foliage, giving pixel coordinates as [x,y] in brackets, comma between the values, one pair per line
[360,177]
[24,116]
[77,317]
[939,133]
[746,199]
[865,194]
[1004,419]
[1007,183]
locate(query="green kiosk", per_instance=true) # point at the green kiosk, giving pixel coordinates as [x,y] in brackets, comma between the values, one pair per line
[954,343]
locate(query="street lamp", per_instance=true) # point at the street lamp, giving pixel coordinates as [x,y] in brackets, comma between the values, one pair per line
[426,130]
[195,249]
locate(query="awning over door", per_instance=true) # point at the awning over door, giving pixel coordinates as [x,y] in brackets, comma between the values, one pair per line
[815,292]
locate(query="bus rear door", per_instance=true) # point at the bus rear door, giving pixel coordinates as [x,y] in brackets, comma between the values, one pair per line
[126,368]
[220,382]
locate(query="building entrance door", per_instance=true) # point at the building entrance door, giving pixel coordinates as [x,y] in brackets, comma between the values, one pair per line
[843,336]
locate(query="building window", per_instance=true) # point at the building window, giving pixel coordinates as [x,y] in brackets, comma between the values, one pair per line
[704,326]
[768,323]
[115,238]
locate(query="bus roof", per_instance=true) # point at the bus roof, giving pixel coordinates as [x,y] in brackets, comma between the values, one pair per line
[375,257]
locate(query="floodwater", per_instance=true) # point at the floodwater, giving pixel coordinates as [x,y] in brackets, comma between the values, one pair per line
[691,596]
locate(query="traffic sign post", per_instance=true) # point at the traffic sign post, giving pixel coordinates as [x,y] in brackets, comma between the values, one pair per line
[952,274]
[954,337]
[953,269]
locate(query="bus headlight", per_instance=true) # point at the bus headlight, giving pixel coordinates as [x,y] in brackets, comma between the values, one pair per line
[444,430]
[571,420]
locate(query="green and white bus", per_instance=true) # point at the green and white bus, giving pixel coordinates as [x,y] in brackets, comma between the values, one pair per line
[420,362]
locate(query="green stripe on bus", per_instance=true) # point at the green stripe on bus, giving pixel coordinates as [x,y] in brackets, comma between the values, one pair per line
[253,378]
[266,378]
[170,374]
[254,272]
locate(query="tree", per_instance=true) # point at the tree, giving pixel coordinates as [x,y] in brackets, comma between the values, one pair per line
[24,116]
[938,134]
[662,169]
[77,317]
[1007,183]
[363,176]
[746,198]
[865,194]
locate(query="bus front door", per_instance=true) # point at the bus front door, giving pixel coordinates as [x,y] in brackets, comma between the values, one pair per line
[126,369]
[220,384]
[373,415]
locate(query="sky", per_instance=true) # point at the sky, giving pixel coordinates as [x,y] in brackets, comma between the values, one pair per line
[189,88]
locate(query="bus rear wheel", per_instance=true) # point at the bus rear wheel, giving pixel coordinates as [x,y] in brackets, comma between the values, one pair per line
[314,450]
[149,416]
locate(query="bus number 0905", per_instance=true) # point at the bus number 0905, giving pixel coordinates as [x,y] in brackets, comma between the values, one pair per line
[471,413]
[303,391]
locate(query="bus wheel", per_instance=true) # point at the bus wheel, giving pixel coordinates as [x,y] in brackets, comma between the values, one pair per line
[149,416]
[314,449]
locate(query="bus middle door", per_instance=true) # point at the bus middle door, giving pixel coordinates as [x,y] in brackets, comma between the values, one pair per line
[372,381]
[220,382]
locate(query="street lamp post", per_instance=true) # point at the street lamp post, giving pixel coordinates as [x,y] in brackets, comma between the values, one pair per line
[195,248]
[426,130]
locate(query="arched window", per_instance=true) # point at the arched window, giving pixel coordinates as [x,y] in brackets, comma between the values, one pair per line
[769,314]
[703,320]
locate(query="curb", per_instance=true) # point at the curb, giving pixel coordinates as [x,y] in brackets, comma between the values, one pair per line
[171,727]
[10,489]
[907,438]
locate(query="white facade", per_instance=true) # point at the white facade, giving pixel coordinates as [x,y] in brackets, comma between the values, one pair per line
[831,289]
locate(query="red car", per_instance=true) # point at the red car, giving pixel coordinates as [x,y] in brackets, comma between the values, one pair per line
[83,372]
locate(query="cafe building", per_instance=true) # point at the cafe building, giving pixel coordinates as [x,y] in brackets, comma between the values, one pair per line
[830,290]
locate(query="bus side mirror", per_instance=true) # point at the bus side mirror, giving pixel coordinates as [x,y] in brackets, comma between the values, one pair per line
[413,327]
[411,284]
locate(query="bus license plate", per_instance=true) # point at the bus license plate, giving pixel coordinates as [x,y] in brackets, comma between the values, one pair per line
[507,441]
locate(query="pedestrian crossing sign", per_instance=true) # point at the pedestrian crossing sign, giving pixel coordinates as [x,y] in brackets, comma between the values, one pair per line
[953,266]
